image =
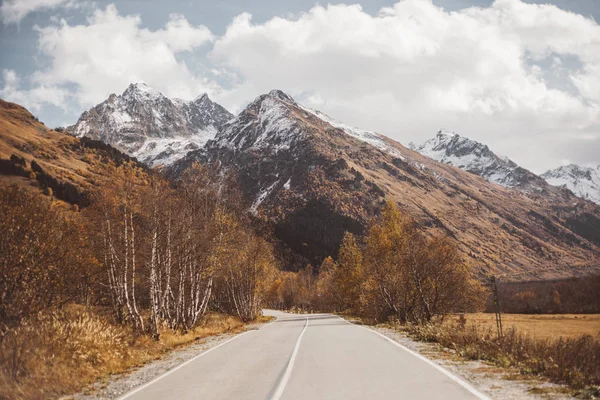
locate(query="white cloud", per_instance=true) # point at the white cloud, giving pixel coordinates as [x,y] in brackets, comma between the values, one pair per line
[414,68]
[523,78]
[33,98]
[13,11]
[111,51]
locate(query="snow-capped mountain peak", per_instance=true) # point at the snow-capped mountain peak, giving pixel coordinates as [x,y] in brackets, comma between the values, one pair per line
[583,181]
[202,98]
[140,91]
[278,94]
[151,127]
[470,155]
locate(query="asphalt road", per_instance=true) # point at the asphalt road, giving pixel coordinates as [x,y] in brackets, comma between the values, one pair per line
[309,357]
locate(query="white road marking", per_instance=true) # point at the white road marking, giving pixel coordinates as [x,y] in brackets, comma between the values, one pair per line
[134,391]
[449,374]
[290,366]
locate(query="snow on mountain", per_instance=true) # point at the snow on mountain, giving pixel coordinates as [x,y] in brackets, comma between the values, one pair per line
[279,127]
[265,123]
[583,181]
[372,138]
[477,158]
[151,127]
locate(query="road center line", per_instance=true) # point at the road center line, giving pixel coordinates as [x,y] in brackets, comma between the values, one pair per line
[290,366]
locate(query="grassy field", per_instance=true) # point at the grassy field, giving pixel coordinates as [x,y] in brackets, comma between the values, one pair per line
[546,326]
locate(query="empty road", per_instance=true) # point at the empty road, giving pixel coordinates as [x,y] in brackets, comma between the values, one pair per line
[309,357]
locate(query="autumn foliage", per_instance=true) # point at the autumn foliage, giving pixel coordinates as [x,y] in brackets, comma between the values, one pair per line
[44,260]
[395,271]
[148,261]
[172,251]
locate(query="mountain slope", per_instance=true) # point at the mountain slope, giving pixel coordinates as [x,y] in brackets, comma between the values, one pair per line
[583,181]
[313,178]
[151,127]
[66,168]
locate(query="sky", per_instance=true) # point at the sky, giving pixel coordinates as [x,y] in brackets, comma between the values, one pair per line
[522,76]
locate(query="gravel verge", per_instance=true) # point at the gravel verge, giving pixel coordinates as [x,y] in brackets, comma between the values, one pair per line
[495,382]
[113,387]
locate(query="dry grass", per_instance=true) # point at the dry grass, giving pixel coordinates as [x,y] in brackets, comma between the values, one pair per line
[571,361]
[544,326]
[60,353]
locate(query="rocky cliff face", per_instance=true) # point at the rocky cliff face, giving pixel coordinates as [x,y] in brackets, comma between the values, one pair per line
[151,127]
[313,178]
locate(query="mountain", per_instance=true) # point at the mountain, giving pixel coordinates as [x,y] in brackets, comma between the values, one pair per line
[151,127]
[477,158]
[583,181]
[312,178]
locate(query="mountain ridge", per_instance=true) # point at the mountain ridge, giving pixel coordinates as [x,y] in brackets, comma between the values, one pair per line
[309,179]
[479,159]
[150,126]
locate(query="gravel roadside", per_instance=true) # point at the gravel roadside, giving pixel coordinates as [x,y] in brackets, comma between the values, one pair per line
[486,378]
[113,387]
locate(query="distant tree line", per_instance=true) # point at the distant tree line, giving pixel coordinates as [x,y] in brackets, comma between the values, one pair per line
[564,296]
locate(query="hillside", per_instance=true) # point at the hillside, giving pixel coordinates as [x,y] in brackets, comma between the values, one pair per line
[314,178]
[38,158]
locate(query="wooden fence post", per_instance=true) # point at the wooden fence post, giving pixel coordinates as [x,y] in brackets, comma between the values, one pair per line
[496,305]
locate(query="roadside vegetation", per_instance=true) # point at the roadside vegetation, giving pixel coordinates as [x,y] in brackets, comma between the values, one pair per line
[572,361]
[149,265]
[61,351]
[395,272]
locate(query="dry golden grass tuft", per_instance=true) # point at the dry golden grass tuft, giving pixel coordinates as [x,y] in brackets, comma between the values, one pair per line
[59,353]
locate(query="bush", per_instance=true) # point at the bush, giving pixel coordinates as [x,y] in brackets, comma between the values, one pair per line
[43,256]
[17,160]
